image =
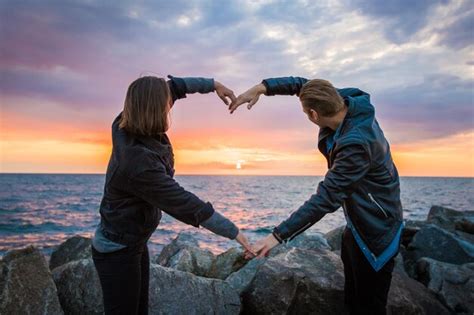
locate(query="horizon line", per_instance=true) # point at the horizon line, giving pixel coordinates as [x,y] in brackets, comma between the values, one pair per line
[204,174]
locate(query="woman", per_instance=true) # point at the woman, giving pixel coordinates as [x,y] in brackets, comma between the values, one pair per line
[139,184]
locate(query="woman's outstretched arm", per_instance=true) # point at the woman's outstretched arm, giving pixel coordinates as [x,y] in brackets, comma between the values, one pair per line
[179,87]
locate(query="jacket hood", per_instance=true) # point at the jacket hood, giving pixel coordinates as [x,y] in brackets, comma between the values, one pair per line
[359,108]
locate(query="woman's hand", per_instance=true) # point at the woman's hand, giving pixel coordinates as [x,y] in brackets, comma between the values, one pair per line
[242,240]
[250,96]
[224,93]
[262,248]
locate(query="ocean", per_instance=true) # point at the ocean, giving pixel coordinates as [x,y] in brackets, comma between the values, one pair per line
[46,209]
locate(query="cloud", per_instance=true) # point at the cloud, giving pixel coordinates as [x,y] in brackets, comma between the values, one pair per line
[82,56]
[460,33]
[400,19]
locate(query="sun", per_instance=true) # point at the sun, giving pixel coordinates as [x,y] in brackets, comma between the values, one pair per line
[238,165]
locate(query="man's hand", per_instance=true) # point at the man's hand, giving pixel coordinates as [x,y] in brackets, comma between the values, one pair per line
[250,96]
[224,93]
[262,248]
[242,240]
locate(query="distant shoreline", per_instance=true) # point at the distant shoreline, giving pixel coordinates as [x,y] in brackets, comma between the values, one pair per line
[224,175]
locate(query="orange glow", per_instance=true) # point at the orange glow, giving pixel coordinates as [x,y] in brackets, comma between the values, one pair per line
[60,148]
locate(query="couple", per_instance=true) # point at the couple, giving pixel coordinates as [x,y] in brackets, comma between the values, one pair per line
[139,183]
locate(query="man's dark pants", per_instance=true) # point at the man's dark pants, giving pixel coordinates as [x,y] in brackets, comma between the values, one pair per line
[365,290]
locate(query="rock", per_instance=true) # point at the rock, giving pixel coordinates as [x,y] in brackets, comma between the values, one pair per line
[465,225]
[26,285]
[79,287]
[453,284]
[227,263]
[399,265]
[312,281]
[184,254]
[176,292]
[334,237]
[411,228]
[434,242]
[171,291]
[74,248]
[240,279]
[408,296]
[303,241]
[451,220]
[298,281]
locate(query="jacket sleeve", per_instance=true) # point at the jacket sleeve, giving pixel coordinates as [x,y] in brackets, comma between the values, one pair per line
[351,163]
[179,87]
[162,191]
[284,85]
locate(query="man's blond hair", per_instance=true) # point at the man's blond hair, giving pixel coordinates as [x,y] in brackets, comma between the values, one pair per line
[321,96]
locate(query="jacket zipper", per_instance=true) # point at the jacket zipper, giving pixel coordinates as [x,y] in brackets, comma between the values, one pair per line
[378,205]
[301,229]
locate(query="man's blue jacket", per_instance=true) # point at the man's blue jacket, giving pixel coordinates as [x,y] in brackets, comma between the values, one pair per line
[362,177]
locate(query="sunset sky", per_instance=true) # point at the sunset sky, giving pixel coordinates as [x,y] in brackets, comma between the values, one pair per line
[65,67]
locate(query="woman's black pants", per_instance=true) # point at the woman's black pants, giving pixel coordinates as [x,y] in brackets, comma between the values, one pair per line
[365,290]
[124,276]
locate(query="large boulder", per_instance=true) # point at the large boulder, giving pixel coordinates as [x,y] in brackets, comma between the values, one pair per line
[79,287]
[433,242]
[453,284]
[303,241]
[184,254]
[227,263]
[312,281]
[171,291]
[450,219]
[240,279]
[411,228]
[410,297]
[74,248]
[298,281]
[334,237]
[176,292]
[26,285]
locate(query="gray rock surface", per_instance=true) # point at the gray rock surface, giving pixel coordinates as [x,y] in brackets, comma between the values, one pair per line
[171,291]
[408,296]
[298,281]
[451,219]
[240,279]
[227,263]
[303,241]
[334,237]
[453,284]
[74,248]
[176,292]
[79,287]
[433,242]
[184,254]
[26,284]
[312,281]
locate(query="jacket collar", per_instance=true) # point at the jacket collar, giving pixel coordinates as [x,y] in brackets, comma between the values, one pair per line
[357,110]
[159,144]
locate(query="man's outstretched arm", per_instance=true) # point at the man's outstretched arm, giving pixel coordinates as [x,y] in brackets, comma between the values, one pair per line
[272,86]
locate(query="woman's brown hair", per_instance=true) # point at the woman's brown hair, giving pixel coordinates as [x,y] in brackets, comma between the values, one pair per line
[146,107]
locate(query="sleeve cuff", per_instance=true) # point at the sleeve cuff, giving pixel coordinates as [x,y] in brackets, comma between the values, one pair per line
[220,225]
[268,85]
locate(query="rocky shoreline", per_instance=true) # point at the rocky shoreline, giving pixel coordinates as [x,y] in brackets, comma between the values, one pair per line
[434,274]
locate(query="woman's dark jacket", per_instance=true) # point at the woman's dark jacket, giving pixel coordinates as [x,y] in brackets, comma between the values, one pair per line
[139,180]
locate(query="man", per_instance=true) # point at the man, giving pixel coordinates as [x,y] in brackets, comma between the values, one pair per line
[362,178]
